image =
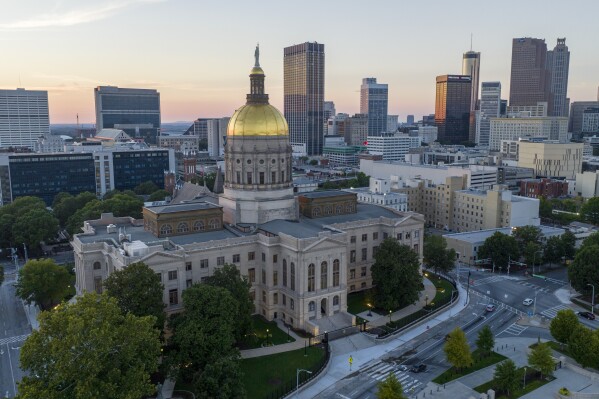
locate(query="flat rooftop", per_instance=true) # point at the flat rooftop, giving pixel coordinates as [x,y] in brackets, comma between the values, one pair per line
[182,207]
[482,235]
[324,194]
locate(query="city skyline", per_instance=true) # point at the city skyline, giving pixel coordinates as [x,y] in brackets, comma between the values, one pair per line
[199,64]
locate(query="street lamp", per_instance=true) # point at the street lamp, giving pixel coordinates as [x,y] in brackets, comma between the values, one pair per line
[390,312]
[534,305]
[297,380]
[288,337]
[524,378]
[369,310]
[426,300]
[592,298]
[267,337]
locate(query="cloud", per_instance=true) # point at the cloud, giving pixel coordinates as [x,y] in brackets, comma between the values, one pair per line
[72,17]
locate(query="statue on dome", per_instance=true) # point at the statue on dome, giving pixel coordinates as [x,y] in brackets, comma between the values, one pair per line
[257,55]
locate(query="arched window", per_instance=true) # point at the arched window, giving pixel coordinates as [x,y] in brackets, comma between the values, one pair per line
[338,209]
[336,273]
[214,224]
[328,210]
[349,208]
[97,266]
[166,229]
[284,273]
[311,306]
[182,228]
[311,277]
[198,226]
[316,212]
[324,272]
[336,300]
[292,276]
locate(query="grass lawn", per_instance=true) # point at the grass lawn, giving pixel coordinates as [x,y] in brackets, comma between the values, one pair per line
[357,302]
[444,289]
[533,382]
[276,336]
[267,374]
[479,363]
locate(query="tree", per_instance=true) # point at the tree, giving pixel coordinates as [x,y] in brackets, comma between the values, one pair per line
[583,345]
[532,253]
[396,275]
[120,204]
[145,188]
[313,162]
[220,380]
[390,388]
[34,226]
[158,195]
[204,332]
[89,349]
[568,244]
[591,240]
[526,234]
[506,376]
[457,349]
[485,341]
[499,248]
[44,282]
[590,210]
[65,205]
[229,278]
[552,253]
[540,359]
[545,208]
[436,254]
[563,325]
[584,269]
[138,290]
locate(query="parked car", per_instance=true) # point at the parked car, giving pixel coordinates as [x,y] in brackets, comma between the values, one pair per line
[490,308]
[527,302]
[587,315]
[419,368]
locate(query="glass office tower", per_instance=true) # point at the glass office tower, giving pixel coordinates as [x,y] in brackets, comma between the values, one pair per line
[452,108]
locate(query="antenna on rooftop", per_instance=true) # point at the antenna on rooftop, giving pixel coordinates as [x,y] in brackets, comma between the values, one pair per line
[470,41]
[78,128]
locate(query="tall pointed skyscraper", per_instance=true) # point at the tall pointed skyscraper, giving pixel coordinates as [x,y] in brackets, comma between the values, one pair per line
[471,67]
[303,66]
[558,62]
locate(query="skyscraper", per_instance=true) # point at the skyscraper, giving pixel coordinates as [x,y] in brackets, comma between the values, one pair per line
[452,108]
[558,62]
[530,79]
[303,70]
[410,119]
[490,107]
[374,102]
[136,111]
[471,67]
[23,117]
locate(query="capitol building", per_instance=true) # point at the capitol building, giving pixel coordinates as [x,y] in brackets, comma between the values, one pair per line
[302,253]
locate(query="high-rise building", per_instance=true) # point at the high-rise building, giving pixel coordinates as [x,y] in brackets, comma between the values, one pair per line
[452,108]
[490,107]
[329,110]
[410,119]
[392,123]
[135,111]
[530,79]
[576,114]
[374,98]
[24,117]
[558,62]
[356,130]
[471,67]
[303,66]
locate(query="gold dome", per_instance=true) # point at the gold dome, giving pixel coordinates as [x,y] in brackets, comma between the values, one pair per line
[257,71]
[257,120]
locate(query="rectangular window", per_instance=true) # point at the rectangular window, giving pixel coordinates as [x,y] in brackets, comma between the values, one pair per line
[352,273]
[249,177]
[275,277]
[173,297]
[275,298]
[188,282]
[251,255]
[291,303]
[172,275]
[98,285]
[352,287]
[374,251]
[263,257]
[220,261]
[187,266]
[275,258]
[385,236]
[283,177]
[400,236]
[238,177]
[236,258]
[375,235]
[263,276]
[261,177]
[204,280]
[364,237]
[364,253]
[352,256]
[417,232]
[352,239]
[159,276]
[408,235]
[252,275]
[203,263]
[363,271]
[284,300]
[273,177]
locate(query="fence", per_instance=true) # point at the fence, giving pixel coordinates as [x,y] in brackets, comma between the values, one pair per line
[294,383]
[328,336]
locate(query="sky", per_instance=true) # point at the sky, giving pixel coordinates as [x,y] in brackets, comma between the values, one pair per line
[198,54]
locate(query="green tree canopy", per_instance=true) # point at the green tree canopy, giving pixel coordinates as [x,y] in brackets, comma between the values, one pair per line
[526,234]
[204,332]
[138,290]
[145,188]
[158,195]
[65,205]
[568,244]
[506,376]
[89,349]
[44,282]
[457,349]
[229,278]
[540,359]
[583,345]
[220,380]
[485,341]
[499,248]
[591,240]
[436,254]
[34,226]
[120,204]
[390,388]
[553,250]
[584,269]
[563,325]
[589,211]
[396,275]
[532,253]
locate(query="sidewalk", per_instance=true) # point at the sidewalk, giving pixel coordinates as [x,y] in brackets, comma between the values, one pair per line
[377,320]
[339,367]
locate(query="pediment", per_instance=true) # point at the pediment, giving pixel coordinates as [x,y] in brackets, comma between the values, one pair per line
[161,257]
[325,243]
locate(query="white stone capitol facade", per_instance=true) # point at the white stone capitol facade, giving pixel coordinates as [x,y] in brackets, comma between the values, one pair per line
[302,254]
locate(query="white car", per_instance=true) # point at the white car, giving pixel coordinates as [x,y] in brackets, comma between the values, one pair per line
[527,302]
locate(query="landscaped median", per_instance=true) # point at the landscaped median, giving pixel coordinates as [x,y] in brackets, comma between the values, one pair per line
[480,362]
[532,381]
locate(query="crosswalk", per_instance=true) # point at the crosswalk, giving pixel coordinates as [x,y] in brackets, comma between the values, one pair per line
[514,329]
[12,340]
[381,370]
[534,286]
[487,280]
[552,312]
